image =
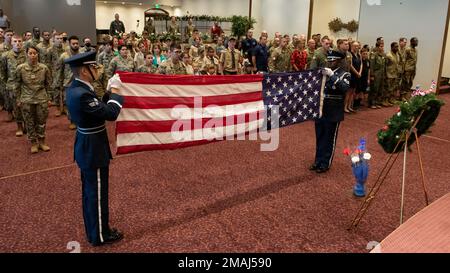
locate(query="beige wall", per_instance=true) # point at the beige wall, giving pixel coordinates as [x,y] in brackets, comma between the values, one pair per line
[327,10]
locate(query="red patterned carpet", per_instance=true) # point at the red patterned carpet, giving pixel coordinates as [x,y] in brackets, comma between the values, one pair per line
[222,197]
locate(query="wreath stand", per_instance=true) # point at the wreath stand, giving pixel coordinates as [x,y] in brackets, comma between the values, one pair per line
[387,169]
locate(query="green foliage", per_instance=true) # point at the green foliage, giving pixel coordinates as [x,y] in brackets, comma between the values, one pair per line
[241,24]
[399,124]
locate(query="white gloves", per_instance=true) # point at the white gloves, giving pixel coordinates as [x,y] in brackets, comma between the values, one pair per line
[114,82]
[327,72]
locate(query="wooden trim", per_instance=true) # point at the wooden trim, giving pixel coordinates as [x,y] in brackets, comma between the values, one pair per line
[311,10]
[444,46]
[250,4]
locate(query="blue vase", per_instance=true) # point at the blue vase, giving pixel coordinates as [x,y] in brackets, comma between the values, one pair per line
[361,172]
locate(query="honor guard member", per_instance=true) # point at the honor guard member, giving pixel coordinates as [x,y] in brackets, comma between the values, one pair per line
[91,150]
[327,126]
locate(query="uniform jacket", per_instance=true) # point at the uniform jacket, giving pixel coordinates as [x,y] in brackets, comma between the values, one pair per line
[91,149]
[335,89]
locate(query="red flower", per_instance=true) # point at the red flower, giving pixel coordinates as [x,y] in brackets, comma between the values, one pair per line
[347,151]
[385,128]
[399,110]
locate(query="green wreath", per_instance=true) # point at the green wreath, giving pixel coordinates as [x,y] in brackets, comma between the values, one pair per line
[399,124]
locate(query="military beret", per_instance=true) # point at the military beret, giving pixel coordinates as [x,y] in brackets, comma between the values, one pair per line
[334,55]
[82,59]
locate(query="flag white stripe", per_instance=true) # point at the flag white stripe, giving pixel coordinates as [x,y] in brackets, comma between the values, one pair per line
[218,133]
[186,113]
[152,90]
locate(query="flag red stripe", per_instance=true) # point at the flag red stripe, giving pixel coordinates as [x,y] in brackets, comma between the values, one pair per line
[129,127]
[172,146]
[171,102]
[143,78]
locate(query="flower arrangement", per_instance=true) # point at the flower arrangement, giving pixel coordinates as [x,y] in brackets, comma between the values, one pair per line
[336,25]
[352,26]
[396,127]
[360,166]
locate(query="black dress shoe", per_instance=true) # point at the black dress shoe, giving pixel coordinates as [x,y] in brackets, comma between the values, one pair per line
[313,167]
[114,236]
[322,170]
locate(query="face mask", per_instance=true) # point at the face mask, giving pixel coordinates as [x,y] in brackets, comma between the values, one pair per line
[64,39]
[87,44]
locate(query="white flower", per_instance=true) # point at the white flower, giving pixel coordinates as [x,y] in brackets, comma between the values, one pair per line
[367,156]
[355,159]
[399,114]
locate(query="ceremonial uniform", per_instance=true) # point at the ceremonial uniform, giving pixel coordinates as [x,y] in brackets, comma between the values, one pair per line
[92,152]
[327,126]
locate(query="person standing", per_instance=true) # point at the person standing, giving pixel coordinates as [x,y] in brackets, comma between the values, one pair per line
[260,56]
[280,61]
[55,53]
[150,26]
[92,152]
[11,60]
[107,55]
[173,66]
[148,66]
[189,29]
[392,73]
[299,57]
[117,27]
[216,30]
[402,59]
[248,44]
[33,81]
[377,76]
[65,76]
[310,51]
[320,55]
[229,59]
[327,126]
[173,27]
[87,45]
[123,62]
[410,68]
[4,21]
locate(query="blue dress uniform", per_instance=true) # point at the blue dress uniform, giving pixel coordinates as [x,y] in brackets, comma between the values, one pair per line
[327,127]
[92,152]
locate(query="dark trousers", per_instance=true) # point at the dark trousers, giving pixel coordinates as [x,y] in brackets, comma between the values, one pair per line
[326,137]
[95,204]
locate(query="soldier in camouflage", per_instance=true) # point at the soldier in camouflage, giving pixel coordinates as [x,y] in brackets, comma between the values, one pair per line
[11,60]
[5,46]
[123,63]
[392,74]
[377,74]
[65,76]
[55,52]
[174,66]
[410,67]
[148,66]
[320,55]
[33,80]
[107,55]
[280,61]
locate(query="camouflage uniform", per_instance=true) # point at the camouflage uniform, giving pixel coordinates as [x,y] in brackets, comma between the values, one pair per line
[310,58]
[150,28]
[378,71]
[105,58]
[118,63]
[55,55]
[319,59]
[148,70]
[3,48]
[46,58]
[64,78]
[101,83]
[410,70]
[402,63]
[392,75]
[10,62]
[169,68]
[280,61]
[32,83]
[173,29]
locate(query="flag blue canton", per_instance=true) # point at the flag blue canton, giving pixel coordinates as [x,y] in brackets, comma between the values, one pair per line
[293,97]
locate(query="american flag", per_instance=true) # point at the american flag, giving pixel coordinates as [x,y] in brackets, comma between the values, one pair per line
[292,97]
[171,112]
